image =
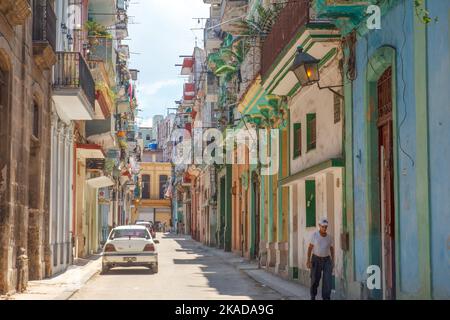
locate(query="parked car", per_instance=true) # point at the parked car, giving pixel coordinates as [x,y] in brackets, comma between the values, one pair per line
[130,246]
[150,227]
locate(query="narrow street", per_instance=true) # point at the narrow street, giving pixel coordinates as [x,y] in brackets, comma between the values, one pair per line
[186,271]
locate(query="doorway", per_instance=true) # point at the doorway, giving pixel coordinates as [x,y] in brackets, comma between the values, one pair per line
[256,213]
[386,182]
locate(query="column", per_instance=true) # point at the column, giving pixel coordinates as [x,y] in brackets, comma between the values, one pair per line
[60,191]
[70,232]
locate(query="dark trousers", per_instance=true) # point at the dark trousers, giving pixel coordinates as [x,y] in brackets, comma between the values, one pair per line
[319,266]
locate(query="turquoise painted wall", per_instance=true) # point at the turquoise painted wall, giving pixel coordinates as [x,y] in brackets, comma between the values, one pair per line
[438,38]
[397,26]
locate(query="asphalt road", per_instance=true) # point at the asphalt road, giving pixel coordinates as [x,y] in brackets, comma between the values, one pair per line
[186,271]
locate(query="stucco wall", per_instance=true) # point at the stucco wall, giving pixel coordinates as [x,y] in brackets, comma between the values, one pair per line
[396,32]
[329,134]
[439,147]
[329,205]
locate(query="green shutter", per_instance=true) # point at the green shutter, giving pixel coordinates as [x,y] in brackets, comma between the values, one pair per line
[310,187]
[297,140]
[311,131]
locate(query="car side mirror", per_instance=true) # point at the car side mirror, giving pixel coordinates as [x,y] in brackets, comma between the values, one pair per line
[156,241]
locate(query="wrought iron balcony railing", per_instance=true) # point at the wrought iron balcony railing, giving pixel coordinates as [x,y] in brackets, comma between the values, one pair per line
[72,72]
[293,16]
[44,23]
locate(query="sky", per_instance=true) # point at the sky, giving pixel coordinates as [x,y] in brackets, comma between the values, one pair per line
[159,32]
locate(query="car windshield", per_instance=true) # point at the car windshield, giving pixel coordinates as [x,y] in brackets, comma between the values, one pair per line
[127,233]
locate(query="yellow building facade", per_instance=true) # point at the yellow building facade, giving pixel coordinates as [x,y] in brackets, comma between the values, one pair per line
[151,205]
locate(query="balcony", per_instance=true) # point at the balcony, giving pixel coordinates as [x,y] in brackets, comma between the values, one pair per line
[293,16]
[102,48]
[74,86]
[104,101]
[189,92]
[122,29]
[250,68]
[212,35]
[353,9]
[124,51]
[101,132]
[231,11]
[44,34]
[122,5]
[103,11]
[16,11]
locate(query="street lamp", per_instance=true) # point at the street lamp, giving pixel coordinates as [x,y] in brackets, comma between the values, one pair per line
[70,39]
[306,69]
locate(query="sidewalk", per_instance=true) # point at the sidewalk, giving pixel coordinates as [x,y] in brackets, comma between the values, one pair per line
[288,289]
[62,286]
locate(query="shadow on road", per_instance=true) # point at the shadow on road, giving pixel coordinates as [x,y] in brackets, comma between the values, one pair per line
[222,277]
[127,271]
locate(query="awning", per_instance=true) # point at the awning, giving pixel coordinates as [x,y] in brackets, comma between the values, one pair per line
[100,182]
[188,64]
[314,170]
[189,91]
[89,151]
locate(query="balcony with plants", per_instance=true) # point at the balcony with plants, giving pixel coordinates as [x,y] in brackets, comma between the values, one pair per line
[104,93]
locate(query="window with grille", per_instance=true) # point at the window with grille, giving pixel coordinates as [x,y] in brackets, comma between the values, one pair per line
[384,90]
[297,140]
[311,131]
[337,108]
[145,186]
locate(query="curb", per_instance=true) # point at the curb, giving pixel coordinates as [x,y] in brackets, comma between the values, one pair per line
[71,294]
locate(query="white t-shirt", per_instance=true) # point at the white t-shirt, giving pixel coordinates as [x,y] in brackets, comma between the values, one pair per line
[321,244]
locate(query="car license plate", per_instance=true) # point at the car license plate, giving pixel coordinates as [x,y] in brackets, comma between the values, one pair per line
[129,259]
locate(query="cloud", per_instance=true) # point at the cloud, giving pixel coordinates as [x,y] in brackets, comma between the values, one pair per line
[145,122]
[161,31]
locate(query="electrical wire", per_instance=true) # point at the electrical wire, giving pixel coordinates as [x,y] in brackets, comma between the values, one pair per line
[404,88]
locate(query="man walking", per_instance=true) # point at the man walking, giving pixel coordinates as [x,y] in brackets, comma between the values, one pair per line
[322,260]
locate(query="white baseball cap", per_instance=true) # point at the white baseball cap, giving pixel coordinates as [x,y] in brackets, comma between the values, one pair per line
[323,222]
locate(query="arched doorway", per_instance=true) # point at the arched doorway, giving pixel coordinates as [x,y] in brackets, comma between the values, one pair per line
[381,161]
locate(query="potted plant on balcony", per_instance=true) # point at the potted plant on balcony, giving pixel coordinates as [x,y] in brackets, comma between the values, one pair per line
[95,31]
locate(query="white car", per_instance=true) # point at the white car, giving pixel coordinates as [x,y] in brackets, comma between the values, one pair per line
[130,246]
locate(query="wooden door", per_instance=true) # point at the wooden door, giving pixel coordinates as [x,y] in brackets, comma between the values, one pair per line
[386,178]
